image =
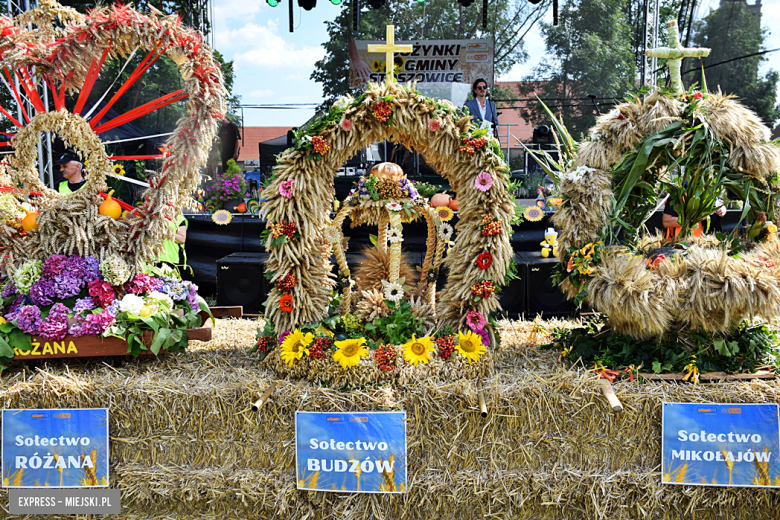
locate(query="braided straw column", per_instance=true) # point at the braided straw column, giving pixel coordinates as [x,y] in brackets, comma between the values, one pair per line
[395,249]
[341,258]
[381,241]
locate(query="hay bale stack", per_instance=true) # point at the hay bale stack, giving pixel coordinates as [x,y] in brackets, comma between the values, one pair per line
[185,445]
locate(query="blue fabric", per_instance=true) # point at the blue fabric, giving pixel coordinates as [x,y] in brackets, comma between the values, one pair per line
[491,114]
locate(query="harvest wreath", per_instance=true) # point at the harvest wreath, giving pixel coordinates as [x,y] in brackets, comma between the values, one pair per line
[78,265]
[383,306]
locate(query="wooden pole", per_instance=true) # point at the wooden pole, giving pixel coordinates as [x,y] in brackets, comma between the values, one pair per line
[609,393]
[263,398]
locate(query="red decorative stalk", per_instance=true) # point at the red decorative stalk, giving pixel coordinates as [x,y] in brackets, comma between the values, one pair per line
[89,81]
[141,111]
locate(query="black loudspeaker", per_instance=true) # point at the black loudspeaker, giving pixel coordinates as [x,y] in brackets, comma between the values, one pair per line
[512,299]
[241,281]
[541,297]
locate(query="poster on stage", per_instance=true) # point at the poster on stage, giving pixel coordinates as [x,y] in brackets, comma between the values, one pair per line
[444,69]
[56,448]
[721,445]
[361,452]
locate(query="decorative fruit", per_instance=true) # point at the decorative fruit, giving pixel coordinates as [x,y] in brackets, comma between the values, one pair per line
[241,208]
[387,170]
[110,207]
[440,199]
[453,205]
[30,221]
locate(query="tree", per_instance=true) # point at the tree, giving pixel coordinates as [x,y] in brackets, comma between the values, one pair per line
[508,23]
[590,52]
[733,31]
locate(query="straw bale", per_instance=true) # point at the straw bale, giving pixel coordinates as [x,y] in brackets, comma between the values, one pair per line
[585,209]
[184,443]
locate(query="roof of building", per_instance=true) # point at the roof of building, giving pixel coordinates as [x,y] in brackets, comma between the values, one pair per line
[252,136]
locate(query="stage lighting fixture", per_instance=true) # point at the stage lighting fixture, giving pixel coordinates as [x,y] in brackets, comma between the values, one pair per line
[307,4]
[534,1]
[335,2]
[376,4]
[273,3]
[420,1]
[465,3]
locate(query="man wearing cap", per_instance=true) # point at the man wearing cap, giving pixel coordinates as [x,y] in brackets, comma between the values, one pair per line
[70,166]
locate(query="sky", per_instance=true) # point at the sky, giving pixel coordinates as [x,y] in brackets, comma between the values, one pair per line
[273,66]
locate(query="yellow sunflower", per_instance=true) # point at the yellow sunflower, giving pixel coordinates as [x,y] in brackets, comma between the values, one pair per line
[445,213]
[295,345]
[470,346]
[221,217]
[378,66]
[418,350]
[349,352]
[533,213]
[119,170]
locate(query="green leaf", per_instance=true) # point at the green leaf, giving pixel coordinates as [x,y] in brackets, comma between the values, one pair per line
[5,348]
[160,339]
[20,340]
[151,322]
[374,239]
[7,327]
[657,367]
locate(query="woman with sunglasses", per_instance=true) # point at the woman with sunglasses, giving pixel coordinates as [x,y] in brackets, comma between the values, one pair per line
[482,110]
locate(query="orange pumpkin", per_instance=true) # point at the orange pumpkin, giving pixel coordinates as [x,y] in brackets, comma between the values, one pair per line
[440,199]
[453,205]
[110,207]
[387,170]
[241,208]
[30,221]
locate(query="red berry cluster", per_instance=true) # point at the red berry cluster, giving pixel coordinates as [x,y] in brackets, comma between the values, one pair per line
[470,146]
[287,283]
[382,110]
[320,145]
[319,346]
[284,228]
[446,346]
[490,226]
[384,356]
[263,342]
[483,289]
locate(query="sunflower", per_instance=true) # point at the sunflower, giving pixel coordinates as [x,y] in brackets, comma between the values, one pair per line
[445,213]
[222,217]
[295,346]
[470,346]
[119,170]
[378,66]
[349,352]
[286,303]
[534,213]
[418,350]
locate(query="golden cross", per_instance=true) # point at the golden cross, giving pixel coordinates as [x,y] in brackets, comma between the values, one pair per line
[675,54]
[389,50]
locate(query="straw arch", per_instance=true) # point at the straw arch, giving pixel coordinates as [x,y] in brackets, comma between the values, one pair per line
[297,243]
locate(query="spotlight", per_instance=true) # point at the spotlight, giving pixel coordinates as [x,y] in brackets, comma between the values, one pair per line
[335,2]
[307,4]
[534,1]
[273,3]
[465,3]
[376,4]
[420,1]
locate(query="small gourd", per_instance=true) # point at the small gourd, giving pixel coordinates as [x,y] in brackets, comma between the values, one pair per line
[387,170]
[453,205]
[440,199]
[241,208]
[110,207]
[30,221]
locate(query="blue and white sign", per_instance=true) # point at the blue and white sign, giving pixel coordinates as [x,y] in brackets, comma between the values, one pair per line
[721,445]
[58,448]
[353,452]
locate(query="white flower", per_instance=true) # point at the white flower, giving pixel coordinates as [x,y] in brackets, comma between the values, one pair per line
[163,301]
[394,236]
[332,234]
[680,105]
[394,206]
[446,231]
[131,304]
[393,291]
[343,101]
[576,175]
[615,112]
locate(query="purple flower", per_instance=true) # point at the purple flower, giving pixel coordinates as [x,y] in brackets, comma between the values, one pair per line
[91,269]
[11,313]
[42,292]
[84,304]
[485,336]
[9,289]
[54,265]
[140,284]
[54,327]
[284,335]
[59,309]
[28,319]
[76,266]
[66,285]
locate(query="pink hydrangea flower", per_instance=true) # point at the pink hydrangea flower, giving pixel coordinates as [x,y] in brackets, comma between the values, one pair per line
[346,124]
[483,182]
[434,125]
[475,320]
[285,188]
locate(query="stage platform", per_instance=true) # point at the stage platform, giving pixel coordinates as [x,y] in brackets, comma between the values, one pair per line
[186,445]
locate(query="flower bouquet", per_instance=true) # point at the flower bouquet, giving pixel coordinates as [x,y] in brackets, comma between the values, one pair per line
[227,186]
[76,296]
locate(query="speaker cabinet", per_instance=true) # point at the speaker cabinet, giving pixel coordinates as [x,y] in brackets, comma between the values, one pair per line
[512,299]
[241,281]
[541,297]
